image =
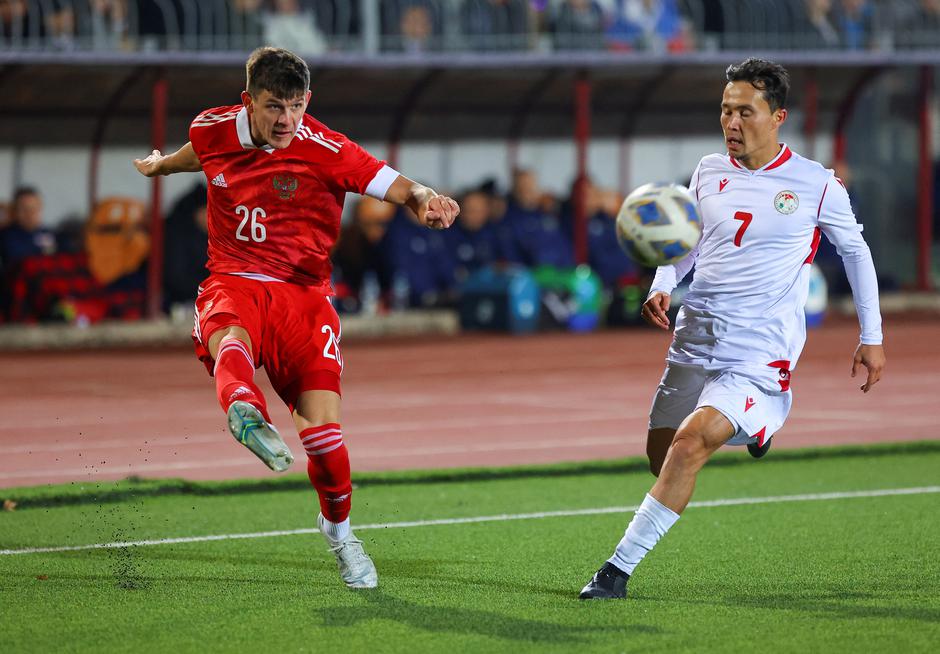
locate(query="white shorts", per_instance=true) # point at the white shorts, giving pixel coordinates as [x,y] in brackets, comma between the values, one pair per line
[755,414]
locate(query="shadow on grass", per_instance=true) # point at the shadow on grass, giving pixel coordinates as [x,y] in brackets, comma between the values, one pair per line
[839,604]
[454,620]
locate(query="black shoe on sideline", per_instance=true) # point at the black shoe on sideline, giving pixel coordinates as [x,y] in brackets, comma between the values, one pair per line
[610,582]
[757,451]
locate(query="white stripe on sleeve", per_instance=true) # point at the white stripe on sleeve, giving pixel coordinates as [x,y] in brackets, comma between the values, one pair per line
[382,181]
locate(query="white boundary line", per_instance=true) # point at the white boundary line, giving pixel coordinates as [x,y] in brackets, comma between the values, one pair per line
[886,492]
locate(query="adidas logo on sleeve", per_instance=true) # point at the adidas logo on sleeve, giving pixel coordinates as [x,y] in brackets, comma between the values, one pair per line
[219,180]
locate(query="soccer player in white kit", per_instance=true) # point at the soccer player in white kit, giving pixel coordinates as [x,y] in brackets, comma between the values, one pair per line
[741,327]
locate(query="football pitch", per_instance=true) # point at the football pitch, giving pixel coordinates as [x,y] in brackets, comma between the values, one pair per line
[807,550]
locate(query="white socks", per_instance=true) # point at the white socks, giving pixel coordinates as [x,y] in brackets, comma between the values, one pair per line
[651,522]
[335,531]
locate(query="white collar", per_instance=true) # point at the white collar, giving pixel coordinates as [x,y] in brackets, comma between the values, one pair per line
[243,127]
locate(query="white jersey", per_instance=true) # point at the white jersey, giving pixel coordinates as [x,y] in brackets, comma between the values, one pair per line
[760,230]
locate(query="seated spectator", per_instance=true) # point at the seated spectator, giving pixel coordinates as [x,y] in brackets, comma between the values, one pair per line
[410,25]
[647,25]
[416,30]
[247,24]
[22,237]
[495,24]
[104,281]
[814,27]
[472,240]
[579,25]
[605,256]
[25,236]
[921,27]
[361,274]
[422,267]
[293,27]
[185,249]
[854,20]
[108,22]
[528,234]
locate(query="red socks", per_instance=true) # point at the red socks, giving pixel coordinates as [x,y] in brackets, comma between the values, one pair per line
[234,376]
[328,468]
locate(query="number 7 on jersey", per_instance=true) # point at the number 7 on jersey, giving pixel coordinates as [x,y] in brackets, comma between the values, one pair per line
[745,219]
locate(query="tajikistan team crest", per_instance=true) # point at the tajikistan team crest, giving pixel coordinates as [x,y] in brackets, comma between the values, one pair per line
[786,202]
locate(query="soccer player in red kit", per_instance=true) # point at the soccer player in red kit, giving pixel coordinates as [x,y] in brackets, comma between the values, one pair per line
[277,182]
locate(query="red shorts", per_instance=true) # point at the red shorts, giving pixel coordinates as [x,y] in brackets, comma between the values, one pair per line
[294,331]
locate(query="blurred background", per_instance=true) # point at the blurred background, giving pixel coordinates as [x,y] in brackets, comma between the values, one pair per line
[538,115]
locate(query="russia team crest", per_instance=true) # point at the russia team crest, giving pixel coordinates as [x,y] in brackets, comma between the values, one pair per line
[286,186]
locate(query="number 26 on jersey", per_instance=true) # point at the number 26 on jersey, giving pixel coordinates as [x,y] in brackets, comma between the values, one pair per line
[254,231]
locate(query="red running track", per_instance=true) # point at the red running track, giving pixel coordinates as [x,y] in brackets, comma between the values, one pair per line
[436,403]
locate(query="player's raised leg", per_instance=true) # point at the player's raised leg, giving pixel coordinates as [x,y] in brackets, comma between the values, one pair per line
[697,438]
[242,400]
[318,423]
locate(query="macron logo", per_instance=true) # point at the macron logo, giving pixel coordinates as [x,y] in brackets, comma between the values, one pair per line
[219,180]
[722,184]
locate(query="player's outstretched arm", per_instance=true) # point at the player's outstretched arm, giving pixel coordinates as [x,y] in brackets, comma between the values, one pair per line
[655,308]
[183,160]
[433,210]
[873,358]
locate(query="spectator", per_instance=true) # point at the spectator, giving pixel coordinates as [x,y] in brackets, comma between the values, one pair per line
[920,28]
[472,239]
[293,27]
[422,267]
[495,24]
[185,249]
[247,26]
[161,24]
[528,234]
[416,29]
[605,256]
[646,25]
[22,237]
[814,27]
[59,22]
[25,236]
[579,25]
[14,20]
[409,25]
[107,21]
[361,273]
[854,19]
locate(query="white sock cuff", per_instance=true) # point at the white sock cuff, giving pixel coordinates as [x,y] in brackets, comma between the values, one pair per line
[662,515]
[336,531]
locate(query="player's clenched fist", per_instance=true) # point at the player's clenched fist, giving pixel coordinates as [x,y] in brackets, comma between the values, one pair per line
[156,163]
[149,166]
[655,308]
[440,212]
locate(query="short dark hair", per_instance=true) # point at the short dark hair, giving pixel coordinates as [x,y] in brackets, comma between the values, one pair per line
[767,76]
[23,191]
[279,71]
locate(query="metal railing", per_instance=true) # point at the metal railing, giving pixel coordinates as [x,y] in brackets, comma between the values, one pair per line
[372,27]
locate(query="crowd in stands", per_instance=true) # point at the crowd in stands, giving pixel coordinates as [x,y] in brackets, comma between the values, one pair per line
[384,260]
[78,276]
[314,27]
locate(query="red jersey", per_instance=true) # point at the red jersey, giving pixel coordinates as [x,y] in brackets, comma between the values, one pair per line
[276,213]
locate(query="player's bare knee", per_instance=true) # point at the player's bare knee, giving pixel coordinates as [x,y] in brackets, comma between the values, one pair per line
[688,450]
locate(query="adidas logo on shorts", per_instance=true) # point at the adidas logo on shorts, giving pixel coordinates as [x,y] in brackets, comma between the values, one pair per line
[219,180]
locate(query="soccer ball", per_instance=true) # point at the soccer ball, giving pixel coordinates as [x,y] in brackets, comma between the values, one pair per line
[658,224]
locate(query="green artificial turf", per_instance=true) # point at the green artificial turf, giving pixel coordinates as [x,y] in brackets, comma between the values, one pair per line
[855,574]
